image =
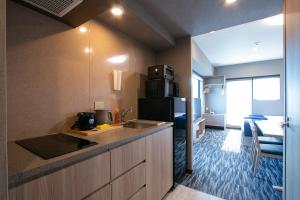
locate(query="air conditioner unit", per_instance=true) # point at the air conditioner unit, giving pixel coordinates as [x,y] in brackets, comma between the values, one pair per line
[56,7]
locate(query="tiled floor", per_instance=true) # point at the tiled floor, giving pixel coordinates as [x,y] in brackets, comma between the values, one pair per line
[184,193]
[223,168]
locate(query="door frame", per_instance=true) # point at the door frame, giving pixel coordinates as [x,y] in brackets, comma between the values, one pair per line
[3,103]
[284,100]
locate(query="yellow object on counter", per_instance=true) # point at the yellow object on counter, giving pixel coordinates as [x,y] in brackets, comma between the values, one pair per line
[103,126]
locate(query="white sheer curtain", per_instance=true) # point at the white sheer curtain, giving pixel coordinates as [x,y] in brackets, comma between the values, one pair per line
[238,100]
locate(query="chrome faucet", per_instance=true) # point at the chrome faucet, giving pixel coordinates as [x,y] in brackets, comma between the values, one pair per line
[124,113]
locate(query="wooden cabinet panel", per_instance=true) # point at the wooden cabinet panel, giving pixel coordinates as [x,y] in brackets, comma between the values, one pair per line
[140,195]
[159,161]
[127,156]
[125,186]
[74,182]
[103,194]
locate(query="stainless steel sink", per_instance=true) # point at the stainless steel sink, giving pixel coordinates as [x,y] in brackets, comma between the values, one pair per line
[137,124]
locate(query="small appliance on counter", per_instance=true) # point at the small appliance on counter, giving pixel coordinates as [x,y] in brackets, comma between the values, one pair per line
[160,72]
[159,88]
[103,117]
[160,82]
[86,121]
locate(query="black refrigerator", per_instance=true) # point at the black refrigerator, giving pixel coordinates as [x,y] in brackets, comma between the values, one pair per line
[170,109]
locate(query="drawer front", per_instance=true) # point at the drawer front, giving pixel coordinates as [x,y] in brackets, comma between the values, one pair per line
[140,195]
[127,156]
[103,194]
[74,182]
[128,184]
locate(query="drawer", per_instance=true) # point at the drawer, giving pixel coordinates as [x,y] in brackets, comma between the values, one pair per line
[140,195]
[127,156]
[74,182]
[103,194]
[128,184]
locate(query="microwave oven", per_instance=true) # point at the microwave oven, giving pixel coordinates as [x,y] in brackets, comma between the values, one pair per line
[157,88]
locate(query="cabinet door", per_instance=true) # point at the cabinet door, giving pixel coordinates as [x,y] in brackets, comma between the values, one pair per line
[140,195]
[127,156]
[159,164]
[74,182]
[128,184]
[103,194]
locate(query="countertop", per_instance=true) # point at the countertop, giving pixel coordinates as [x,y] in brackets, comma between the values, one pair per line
[24,166]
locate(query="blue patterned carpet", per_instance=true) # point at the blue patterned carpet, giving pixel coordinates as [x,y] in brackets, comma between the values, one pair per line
[223,168]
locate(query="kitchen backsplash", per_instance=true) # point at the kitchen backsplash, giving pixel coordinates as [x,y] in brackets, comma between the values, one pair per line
[55,71]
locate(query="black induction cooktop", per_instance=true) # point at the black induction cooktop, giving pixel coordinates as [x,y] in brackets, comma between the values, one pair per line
[51,146]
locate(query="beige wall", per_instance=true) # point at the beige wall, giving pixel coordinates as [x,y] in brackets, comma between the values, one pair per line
[3,142]
[200,63]
[179,57]
[51,78]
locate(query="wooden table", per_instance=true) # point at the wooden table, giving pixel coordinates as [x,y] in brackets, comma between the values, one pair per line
[270,128]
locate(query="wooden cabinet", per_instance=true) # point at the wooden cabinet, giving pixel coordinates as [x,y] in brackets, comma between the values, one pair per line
[102,194]
[126,185]
[140,195]
[127,156]
[74,182]
[159,161]
[139,170]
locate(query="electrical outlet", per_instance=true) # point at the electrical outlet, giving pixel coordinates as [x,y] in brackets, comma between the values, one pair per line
[99,105]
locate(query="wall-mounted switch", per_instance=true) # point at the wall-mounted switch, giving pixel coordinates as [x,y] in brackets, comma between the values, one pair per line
[99,105]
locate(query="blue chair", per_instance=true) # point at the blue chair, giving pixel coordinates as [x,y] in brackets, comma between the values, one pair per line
[270,140]
[265,149]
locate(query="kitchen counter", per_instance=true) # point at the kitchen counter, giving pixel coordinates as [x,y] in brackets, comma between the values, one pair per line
[24,166]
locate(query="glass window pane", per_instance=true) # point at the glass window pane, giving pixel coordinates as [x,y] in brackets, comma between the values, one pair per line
[195,86]
[266,89]
[239,101]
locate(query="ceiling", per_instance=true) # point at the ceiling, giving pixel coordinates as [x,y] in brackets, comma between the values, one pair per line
[236,45]
[194,17]
[159,23]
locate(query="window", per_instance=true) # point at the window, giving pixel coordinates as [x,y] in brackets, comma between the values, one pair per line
[196,86]
[238,101]
[246,96]
[198,96]
[266,89]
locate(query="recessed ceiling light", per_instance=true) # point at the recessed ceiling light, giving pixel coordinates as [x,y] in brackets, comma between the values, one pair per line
[117,10]
[230,1]
[88,50]
[117,59]
[83,29]
[212,32]
[276,20]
